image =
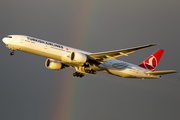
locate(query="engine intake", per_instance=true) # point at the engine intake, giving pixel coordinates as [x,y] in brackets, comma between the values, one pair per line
[78,58]
[53,64]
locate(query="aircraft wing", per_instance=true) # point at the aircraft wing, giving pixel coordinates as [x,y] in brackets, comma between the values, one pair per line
[161,72]
[117,53]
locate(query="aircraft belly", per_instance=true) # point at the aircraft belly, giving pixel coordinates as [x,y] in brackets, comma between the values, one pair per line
[128,73]
[122,73]
[43,53]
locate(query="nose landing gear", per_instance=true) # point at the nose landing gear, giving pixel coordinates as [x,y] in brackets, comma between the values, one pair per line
[12,53]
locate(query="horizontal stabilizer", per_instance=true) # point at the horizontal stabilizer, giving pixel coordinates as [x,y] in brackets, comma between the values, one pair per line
[161,72]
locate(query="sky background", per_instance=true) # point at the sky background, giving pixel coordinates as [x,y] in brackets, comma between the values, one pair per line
[30,91]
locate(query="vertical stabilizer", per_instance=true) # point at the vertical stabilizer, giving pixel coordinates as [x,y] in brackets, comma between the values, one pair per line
[151,62]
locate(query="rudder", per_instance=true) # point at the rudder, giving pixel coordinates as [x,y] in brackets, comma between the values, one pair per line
[151,62]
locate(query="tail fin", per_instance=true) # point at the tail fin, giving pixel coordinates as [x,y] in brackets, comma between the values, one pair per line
[151,62]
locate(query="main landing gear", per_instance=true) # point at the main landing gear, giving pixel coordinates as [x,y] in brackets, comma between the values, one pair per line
[77,74]
[90,71]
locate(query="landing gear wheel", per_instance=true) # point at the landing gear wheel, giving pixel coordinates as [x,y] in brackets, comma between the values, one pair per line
[81,75]
[11,53]
[77,74]
[92,71]
[74,74]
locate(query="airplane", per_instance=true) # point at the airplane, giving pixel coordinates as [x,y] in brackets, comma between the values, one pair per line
[60,56]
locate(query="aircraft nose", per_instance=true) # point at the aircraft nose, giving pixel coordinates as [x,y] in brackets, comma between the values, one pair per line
[6,40]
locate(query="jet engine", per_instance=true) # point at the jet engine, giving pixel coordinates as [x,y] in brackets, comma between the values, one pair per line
[78,58]
[53,64]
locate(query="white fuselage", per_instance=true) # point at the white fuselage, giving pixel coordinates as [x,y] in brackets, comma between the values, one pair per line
[62,53]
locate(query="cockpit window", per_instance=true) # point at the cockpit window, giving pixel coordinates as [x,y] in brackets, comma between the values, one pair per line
[9,36]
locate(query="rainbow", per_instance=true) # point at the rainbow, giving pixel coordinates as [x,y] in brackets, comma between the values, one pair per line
[66,104]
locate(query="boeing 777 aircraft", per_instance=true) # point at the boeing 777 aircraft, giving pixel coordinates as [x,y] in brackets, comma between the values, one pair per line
[60,56]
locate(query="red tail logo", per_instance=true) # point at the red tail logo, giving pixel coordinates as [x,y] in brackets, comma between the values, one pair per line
[151,62]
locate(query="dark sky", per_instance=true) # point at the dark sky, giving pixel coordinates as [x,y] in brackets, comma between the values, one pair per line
[30,91]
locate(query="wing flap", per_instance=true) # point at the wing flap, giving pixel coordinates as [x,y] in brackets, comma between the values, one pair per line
[161,72]
[117,53]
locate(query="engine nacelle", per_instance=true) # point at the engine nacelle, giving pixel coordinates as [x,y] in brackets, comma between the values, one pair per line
[78,58]
[53,64]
